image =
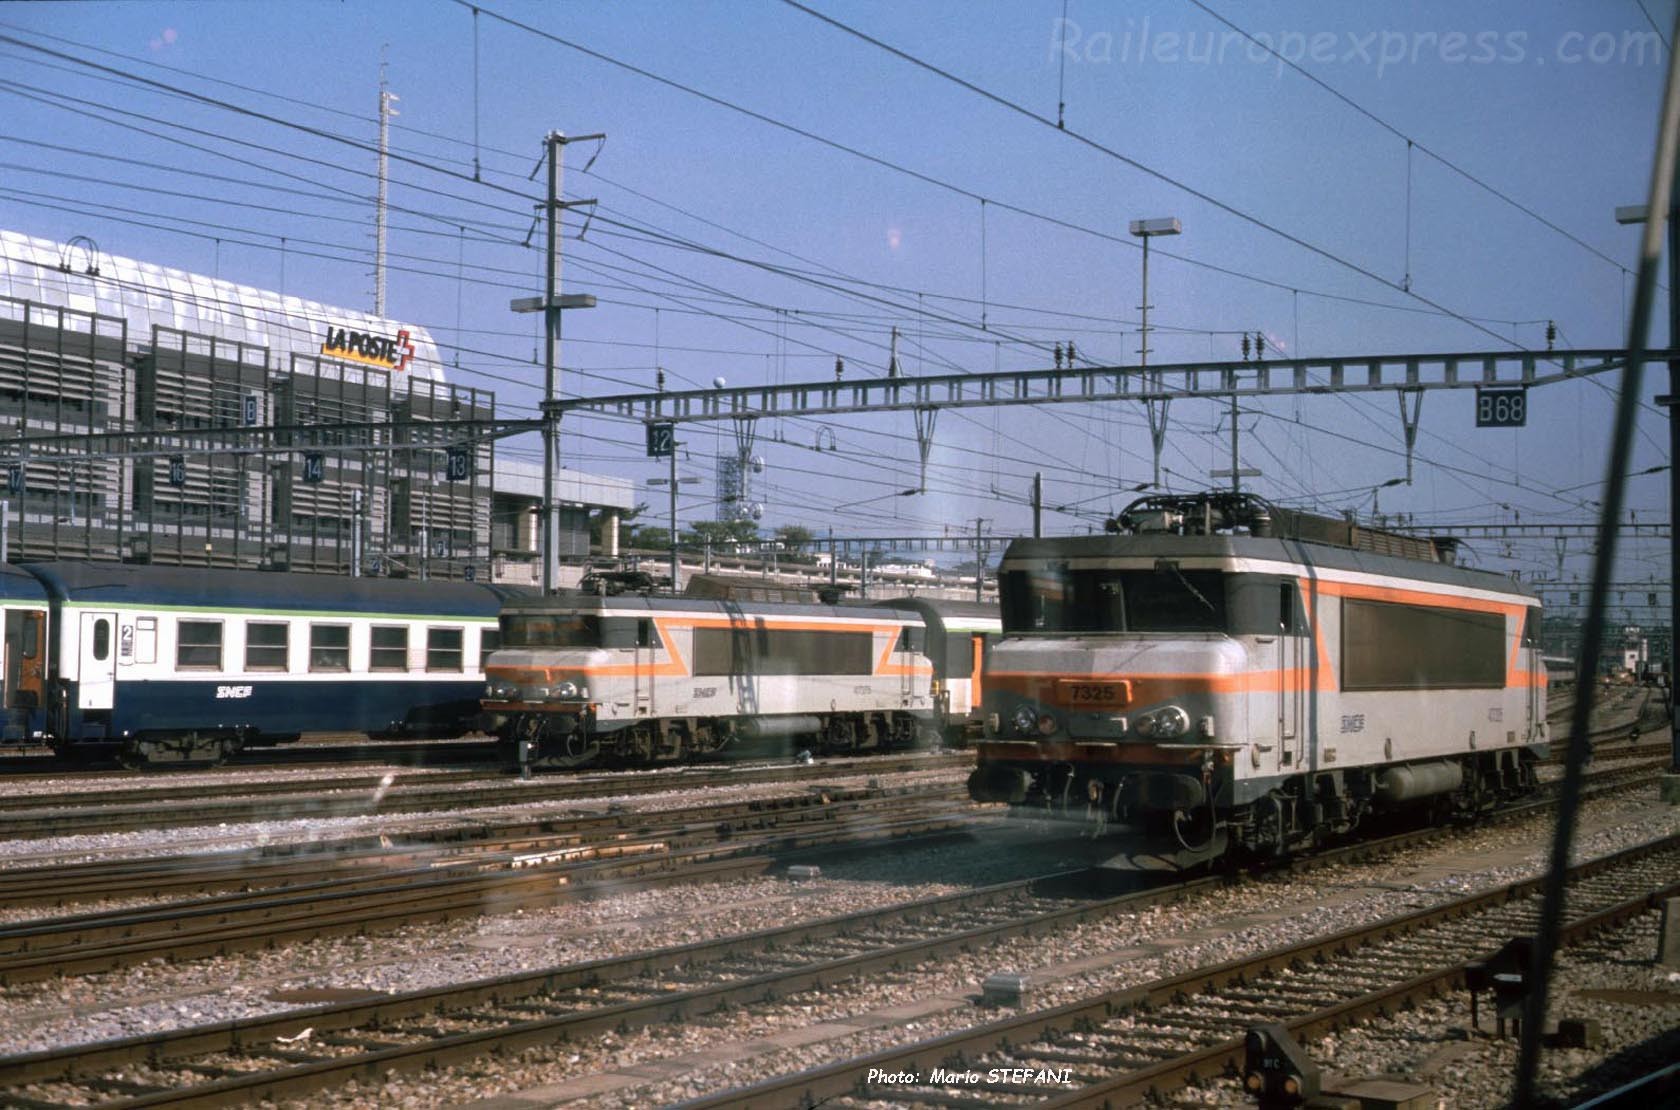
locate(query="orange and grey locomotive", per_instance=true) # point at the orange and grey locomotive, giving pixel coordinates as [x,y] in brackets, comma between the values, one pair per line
[638,678]
[1225,677]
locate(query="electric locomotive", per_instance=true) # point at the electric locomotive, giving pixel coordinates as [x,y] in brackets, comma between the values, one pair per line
[636,678]
[1222,676]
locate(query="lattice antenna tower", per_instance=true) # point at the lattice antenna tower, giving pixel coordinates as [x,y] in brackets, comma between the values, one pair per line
[386,111]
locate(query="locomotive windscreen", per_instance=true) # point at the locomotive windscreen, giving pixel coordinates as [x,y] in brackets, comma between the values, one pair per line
[1162,599]
[550,630]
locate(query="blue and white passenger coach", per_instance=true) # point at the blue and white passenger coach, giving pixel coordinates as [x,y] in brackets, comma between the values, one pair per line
[178,663]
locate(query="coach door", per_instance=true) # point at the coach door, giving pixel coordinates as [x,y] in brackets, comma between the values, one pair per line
[1291,674]
[1532,666]
[912,643]
[97,667]
[26,653]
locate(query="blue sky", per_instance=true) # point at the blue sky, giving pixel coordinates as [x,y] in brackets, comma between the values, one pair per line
[1553,104]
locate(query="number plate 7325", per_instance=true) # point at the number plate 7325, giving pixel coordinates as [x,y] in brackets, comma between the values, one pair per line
[1089,694]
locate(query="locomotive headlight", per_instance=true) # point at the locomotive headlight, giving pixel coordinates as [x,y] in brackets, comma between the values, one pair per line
[1171,722]
[1025,720]
[1046,724]
[566,691]
[501,691]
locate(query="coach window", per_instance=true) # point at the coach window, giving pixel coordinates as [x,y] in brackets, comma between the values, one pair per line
[329,647]
[489,639]
[198,645]
[265,646]
[389,648]
[102,639]
[443,649]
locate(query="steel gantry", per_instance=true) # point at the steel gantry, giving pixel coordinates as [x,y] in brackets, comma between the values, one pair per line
[1407,375]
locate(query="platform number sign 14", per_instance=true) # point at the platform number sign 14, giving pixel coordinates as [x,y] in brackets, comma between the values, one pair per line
[661,440]
[314,466]
[1502,407]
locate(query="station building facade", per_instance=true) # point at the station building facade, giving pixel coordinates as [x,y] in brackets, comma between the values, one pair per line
[150,414]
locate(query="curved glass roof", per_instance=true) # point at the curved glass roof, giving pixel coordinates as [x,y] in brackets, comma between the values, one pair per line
[144,294]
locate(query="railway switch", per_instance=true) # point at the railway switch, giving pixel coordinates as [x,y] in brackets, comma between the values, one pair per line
[1275,1070]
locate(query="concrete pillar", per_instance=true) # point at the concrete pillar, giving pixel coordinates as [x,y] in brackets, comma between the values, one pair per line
[609,533]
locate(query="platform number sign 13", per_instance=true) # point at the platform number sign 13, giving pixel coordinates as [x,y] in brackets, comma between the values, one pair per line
[1502,407]
[314,466]
[458,463]
[661,440]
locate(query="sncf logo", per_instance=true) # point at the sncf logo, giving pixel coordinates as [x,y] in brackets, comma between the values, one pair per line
[233,692]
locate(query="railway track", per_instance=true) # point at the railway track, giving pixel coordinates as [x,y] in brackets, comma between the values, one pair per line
[275,1057]
[401,888]
[1142,1043]
[99,811]
[21,763]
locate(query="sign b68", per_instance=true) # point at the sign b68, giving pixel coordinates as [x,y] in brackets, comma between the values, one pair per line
[1502,407]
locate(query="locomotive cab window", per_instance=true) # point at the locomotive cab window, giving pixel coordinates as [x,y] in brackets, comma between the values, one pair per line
[265,646]
[388,648]
[912,638]
[329,647]
[1531,628]
[626,632]
[443,649]
[198,645]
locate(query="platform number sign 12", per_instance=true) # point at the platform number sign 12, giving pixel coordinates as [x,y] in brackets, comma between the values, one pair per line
[661,440]
[458,463]
[1502,407]
[314,466]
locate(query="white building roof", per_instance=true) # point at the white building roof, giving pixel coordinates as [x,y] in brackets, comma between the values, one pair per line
[523,479]
[147,295]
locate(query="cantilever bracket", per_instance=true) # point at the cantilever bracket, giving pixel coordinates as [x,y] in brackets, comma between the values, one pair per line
[1157,428]
[1410,423]
[926,415]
